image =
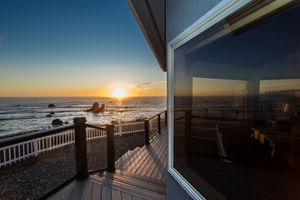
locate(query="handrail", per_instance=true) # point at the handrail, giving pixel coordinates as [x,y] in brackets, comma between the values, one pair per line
[22,138]
[95,127]
[130,123]
[158,126]
[179,118]
[156,115]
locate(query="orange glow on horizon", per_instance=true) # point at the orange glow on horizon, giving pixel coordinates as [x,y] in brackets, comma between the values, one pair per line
[53,88]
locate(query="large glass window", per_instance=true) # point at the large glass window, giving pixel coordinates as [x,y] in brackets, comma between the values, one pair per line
[237,109]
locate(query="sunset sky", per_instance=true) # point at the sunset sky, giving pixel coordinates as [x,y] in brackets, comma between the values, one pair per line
[74,48]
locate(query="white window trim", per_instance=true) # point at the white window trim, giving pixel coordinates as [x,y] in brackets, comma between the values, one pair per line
[216,14]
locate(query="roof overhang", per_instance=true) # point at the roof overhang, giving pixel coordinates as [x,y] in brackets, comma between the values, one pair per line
[151,18]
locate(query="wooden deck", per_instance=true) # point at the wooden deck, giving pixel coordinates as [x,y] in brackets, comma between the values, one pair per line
[140,174]
[148,161]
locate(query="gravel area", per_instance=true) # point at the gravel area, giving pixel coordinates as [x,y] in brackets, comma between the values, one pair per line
[33,178]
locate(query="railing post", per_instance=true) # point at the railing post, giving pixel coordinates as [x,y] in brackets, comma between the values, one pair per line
[166,118]
[110,148]
[146,132]
[158,125]
[81,152]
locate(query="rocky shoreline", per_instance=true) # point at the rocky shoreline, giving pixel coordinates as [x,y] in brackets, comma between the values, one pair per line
[33,178]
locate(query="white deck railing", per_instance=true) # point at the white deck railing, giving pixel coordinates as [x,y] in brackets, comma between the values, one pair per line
[204,133]
[32,148]
[129,128]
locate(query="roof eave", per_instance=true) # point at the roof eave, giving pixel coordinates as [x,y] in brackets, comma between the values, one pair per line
[148,20]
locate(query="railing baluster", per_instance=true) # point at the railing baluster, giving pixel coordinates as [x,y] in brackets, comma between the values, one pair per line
[68,136]
[35,147]
[9,154]
[4,157]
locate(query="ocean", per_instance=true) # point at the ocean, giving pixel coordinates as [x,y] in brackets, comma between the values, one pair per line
[25,115]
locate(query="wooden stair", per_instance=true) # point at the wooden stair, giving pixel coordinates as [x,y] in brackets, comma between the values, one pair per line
[142,187]
[147,161]
[117,186]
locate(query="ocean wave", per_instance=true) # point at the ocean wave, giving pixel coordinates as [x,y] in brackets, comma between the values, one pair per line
[19,118]
[40,112]
[16,133]
[126,107]
[121,110]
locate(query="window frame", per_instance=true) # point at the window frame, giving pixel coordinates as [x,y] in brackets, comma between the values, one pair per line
[222,10]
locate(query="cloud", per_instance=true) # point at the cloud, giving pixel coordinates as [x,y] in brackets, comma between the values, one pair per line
[141,85]
[153,88]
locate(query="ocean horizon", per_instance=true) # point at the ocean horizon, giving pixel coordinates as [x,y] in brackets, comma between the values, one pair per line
[21,115]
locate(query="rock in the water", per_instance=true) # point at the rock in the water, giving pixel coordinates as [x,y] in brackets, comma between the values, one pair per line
[52,113]
[51,105]
[96,108]
[49,115]
[57,122]
[66,122]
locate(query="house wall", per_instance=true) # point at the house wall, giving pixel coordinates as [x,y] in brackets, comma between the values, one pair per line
[180,14]
[174,190]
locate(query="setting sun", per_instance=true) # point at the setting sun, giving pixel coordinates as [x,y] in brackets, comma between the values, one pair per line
[119,93]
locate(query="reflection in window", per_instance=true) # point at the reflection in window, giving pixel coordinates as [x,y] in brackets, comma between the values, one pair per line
[219,98]
[237,110]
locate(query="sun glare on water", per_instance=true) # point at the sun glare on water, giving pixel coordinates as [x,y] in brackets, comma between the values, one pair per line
[119,93]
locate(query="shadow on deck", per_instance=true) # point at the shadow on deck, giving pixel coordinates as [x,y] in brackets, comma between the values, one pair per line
[140,174]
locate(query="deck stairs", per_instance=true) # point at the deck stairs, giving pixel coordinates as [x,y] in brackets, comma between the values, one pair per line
[130,186]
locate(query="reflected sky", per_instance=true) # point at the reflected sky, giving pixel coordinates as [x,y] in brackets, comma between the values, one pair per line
[278,85]
[216,87]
